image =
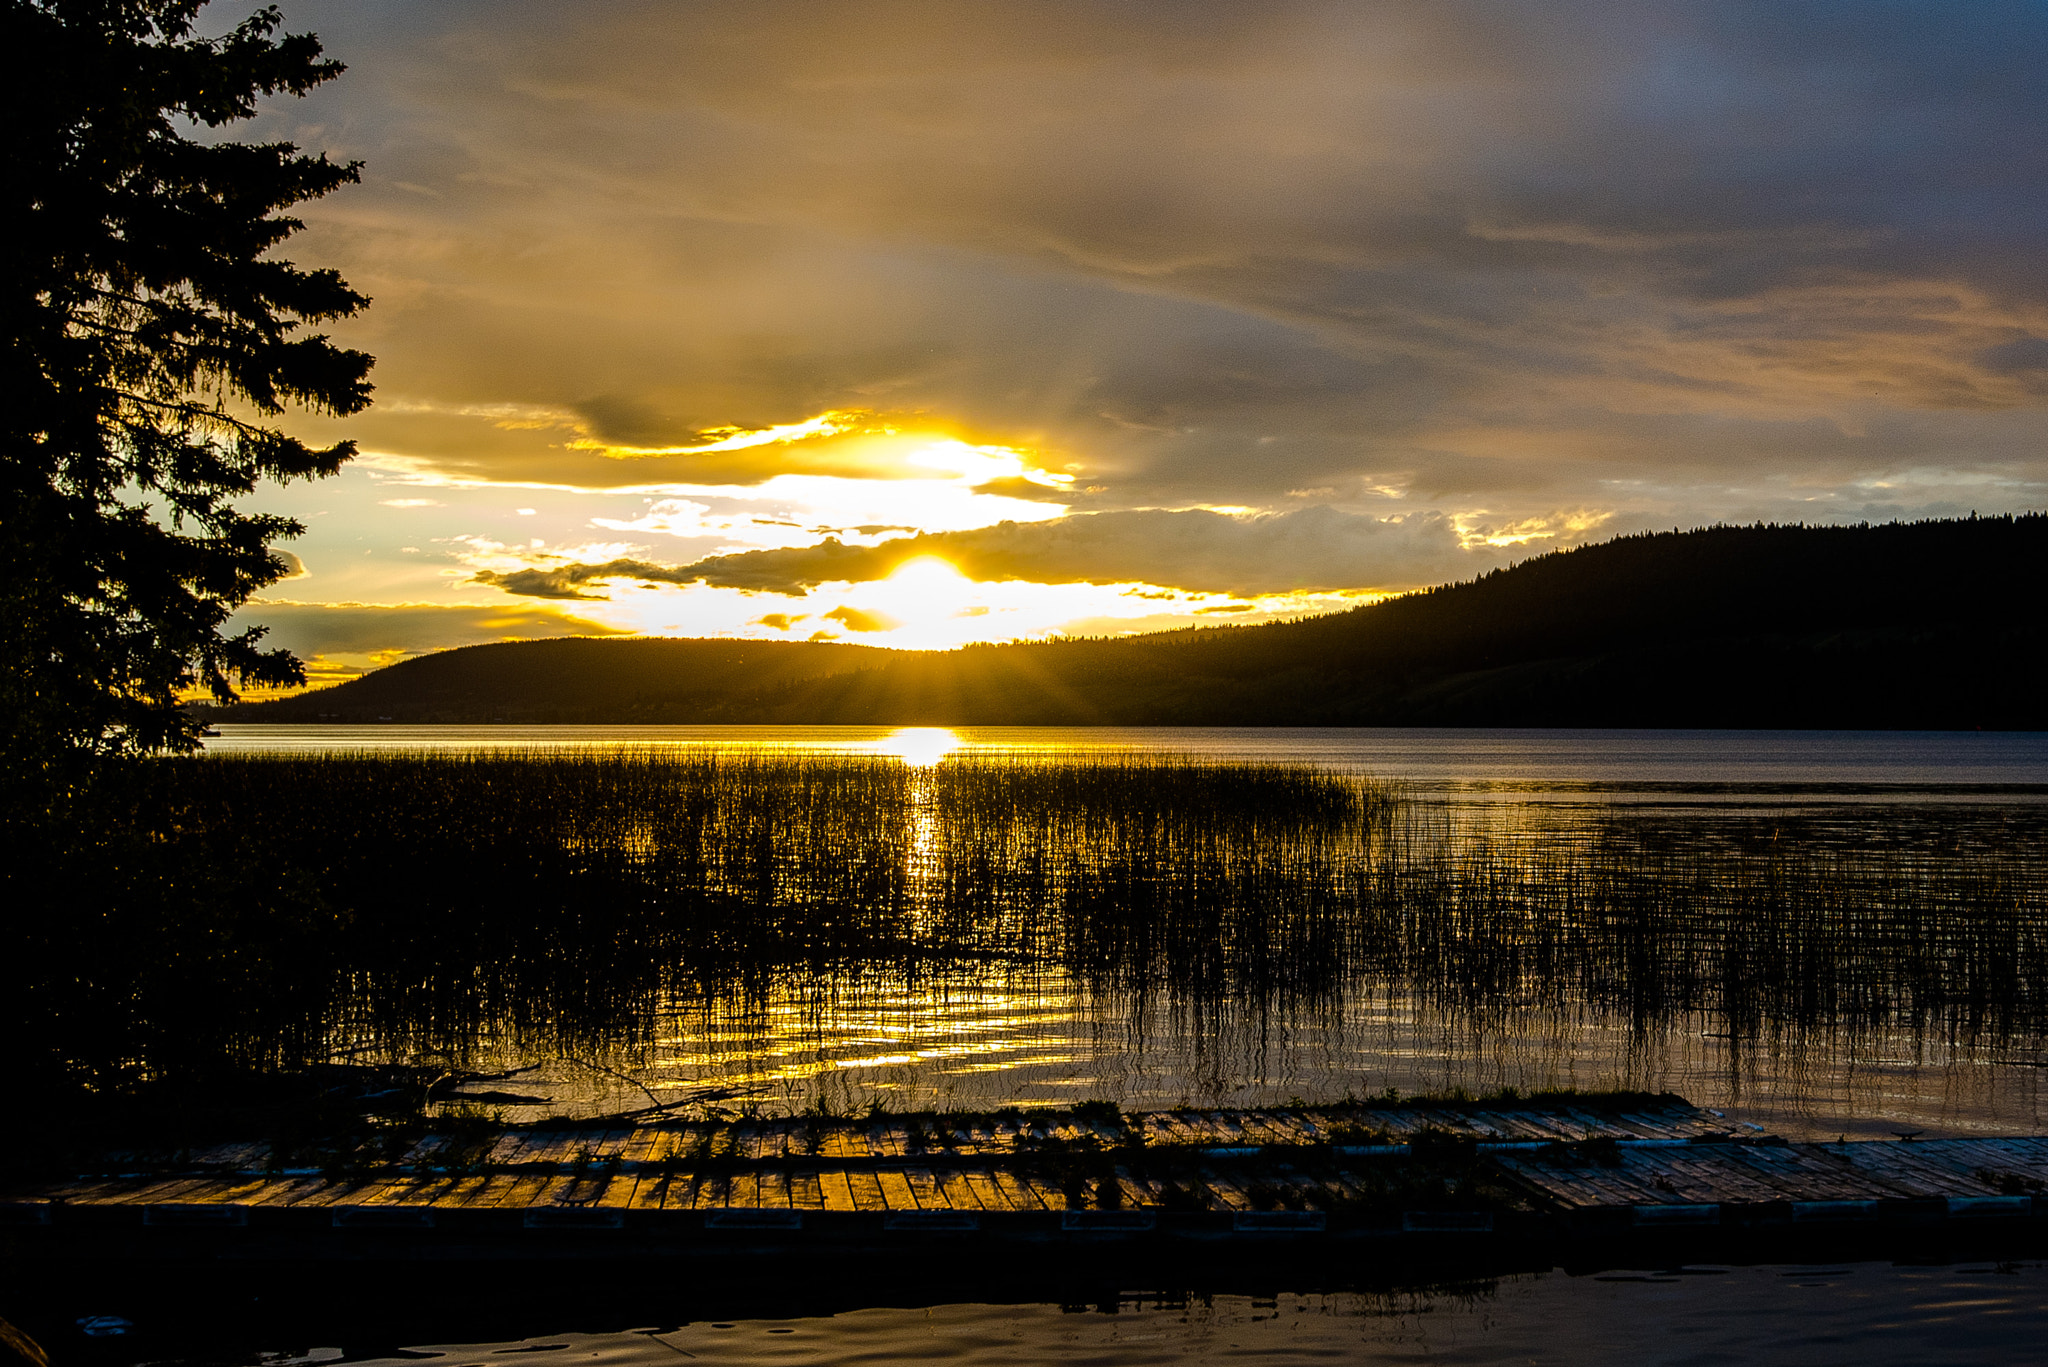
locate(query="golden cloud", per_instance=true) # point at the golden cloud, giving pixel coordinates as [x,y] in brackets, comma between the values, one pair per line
[1426,253]
[1314,549]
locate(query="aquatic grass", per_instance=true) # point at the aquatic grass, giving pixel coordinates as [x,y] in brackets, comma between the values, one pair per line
[1136,866]
[249,912]
[1650,920]
[236,915]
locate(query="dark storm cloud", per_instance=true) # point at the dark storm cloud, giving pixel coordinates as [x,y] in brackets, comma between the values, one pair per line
[1313,549]
[1507,255]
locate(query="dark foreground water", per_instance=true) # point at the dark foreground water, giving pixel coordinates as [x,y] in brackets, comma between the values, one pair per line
[1848,1314]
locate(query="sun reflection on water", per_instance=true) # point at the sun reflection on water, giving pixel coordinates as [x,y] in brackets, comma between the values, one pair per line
[920,747]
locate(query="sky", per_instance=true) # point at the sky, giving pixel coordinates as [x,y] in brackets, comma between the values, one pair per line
[922,323]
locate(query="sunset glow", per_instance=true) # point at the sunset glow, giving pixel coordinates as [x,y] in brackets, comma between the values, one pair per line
[1223,324]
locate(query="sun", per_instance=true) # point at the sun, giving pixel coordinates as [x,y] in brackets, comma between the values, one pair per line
[923,597]
[924,590]
[927,574]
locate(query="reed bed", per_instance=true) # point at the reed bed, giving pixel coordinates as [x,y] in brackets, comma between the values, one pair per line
[247,913]
[1650,919]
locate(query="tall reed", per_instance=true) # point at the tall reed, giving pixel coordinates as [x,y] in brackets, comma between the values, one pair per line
[237,913]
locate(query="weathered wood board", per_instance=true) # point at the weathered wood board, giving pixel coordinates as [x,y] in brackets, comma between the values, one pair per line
[1249,1172]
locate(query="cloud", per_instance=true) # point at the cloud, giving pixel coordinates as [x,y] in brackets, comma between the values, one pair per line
[1309,550]
[314,630]
[566,580]
[2020,356]
[857,619]
[1473,260]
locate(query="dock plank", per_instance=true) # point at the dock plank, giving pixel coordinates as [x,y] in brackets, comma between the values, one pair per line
[227,1190]
[246,1157]
[469,1190]
[1228,1194]
[896,1193]
[1800,1178]
[988,1167]
[512,1147]
[555,1149]
[574,1189]
[610,1147]
[1904,1171]
[1348,1187]
[987,1195]
[405,1190]
[956,1192]
[677,1191]
[346,1191]
[648,1144]
[157,1192]
[1018,1193]
[1724,1177]
[81,1190]
[1607,1187]
[460,1188]
[714,1192]
[1706,1182]
[866,1189]
[620,1192]
[1516,1128]
[285,1191]
[838,1193]
[521,1191]
[647,1193]
[924,1189]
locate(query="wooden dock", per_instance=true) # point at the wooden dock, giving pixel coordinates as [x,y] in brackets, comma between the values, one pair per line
[1405,1173]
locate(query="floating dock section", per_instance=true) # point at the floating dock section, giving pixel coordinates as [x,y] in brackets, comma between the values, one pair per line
[1387,1178]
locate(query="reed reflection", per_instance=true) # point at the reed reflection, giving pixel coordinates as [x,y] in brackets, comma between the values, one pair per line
[795,927]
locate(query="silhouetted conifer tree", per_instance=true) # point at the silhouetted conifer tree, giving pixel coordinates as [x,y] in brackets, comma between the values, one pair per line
[153,340]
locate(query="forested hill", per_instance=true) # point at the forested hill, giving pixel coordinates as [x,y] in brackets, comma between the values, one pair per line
[574,680]
[1917,625]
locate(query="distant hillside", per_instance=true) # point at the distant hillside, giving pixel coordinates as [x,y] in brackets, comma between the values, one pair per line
[1935,625]
[576,680]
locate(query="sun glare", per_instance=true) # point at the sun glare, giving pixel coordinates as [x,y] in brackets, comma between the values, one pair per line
[982,464]
[920,747]
[859,479]
[857,444]
[734,438]
[927,573]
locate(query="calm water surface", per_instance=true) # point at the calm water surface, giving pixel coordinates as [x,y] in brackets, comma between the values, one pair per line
[1826,1316]
[1809,1317]
[982,1037]
[1517,764]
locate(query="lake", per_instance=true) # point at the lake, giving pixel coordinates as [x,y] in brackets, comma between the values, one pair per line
[1815,1316]
[1839,1034]
[1523,764]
